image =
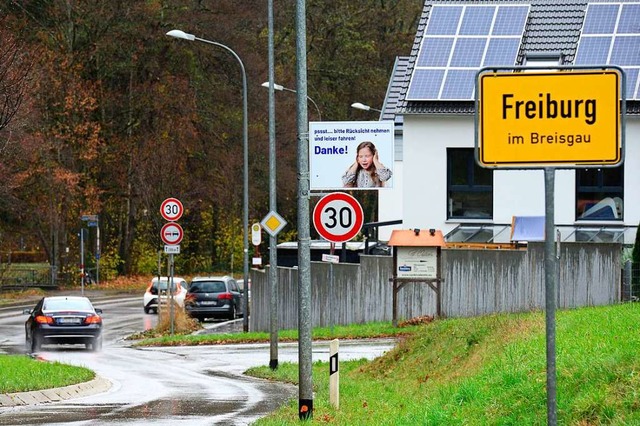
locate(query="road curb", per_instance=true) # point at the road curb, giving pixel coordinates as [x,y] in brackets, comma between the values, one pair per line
[92,387]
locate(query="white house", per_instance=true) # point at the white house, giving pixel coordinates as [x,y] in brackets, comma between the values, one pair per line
[431,95]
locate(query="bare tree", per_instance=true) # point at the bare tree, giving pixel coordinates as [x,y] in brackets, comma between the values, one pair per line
[14,71]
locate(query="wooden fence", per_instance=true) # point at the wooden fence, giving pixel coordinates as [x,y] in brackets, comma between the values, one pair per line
[476,282]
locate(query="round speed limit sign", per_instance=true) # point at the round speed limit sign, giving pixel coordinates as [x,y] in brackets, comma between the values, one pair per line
[171,209]
[338,217]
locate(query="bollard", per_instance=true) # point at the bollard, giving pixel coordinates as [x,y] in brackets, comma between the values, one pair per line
[334,374]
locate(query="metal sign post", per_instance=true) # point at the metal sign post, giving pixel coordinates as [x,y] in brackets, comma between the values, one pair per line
[171,312]
[273,224]
[97,254]
[305,349]
[331,259]
[82,261]
[93,221]
[550,265]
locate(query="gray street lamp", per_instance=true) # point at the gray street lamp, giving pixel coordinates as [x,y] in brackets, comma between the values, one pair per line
[358,105]
[282,88]
[245,201]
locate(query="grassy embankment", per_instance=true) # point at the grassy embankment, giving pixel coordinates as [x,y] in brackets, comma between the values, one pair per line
[488,371]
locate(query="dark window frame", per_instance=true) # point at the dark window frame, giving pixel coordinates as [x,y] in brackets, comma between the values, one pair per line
[473,186]
[602,186]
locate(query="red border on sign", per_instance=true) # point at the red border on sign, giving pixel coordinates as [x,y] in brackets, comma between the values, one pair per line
[170,218]
[338,196]
[171,243]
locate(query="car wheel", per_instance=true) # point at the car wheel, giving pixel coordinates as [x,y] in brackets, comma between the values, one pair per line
[147,310]
[232,314]
[36,343]
[96,344]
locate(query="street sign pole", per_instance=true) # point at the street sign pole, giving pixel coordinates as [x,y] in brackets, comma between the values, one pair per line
[550,295]
[171,312]
[82,261]
[98,253]
[305,350]
[273,239]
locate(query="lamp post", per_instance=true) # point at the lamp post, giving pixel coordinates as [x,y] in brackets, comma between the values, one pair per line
[282,88]
[358,105]
[245,200]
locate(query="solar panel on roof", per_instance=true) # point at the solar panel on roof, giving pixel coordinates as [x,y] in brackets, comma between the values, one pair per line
[600,19]
[425,83]
[593,50]
[468,52]
[626,50]
[501,51]
[477,21]
[458,41]
[510,20]
[444,20]
[436,52]
[632,81]
[459,84]
[629,22]
[611,36]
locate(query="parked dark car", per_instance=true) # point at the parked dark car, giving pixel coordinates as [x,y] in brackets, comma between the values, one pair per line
[213,297]
[63,320]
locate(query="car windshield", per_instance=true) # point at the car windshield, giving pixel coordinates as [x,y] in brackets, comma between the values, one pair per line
[163,285]
[208,287]
[67,305]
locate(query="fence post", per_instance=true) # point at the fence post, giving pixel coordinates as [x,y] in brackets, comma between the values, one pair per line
[627,286]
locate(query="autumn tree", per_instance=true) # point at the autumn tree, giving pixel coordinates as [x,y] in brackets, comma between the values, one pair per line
[120,116]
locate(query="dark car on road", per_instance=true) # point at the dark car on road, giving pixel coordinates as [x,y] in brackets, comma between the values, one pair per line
[213,297]
[63,320]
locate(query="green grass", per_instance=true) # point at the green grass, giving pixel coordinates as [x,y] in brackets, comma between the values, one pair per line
[20,373]
[356,331]
[487,371]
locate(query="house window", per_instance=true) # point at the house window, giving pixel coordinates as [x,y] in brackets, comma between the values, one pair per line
[469,186]
[544,61]
[599,194]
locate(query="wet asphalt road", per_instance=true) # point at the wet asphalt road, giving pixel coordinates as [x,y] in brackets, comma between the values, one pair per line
[201,385]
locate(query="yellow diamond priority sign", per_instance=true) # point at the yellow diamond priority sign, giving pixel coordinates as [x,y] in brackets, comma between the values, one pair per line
[273,223]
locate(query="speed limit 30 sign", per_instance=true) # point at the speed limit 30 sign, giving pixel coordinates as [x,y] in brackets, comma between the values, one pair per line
[171,209]
[338,217]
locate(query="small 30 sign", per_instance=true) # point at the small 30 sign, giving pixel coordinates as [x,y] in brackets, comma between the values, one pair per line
[171,209]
